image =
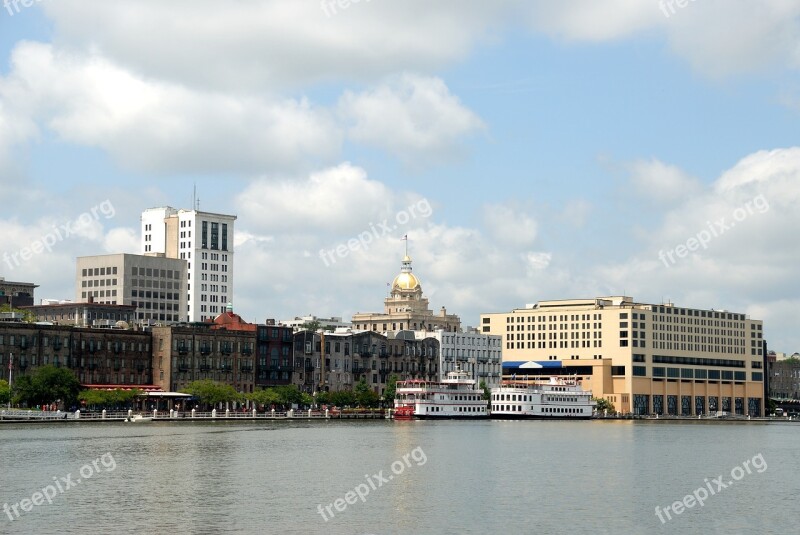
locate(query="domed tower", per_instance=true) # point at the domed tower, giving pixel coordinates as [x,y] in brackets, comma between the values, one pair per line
[406,292]
[406,284]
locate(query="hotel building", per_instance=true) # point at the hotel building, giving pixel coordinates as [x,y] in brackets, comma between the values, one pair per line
[155,285]
[644,358]
[205,241]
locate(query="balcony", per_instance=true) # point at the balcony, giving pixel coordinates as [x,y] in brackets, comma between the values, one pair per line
[183,350]
[140,368]
[205,350]
[357,370]
[309,366]
[384,354]
[246,369]
[247,352]
[226,368]
[366,354]
[22,365]
[205,367]
[183,366]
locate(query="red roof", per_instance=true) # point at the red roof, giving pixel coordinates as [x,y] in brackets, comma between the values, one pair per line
[232,322]
[145,388]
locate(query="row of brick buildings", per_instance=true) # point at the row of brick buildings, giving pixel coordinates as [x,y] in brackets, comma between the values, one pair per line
[229,350]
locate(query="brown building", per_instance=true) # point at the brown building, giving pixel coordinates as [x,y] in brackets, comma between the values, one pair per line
[114,357]
[351,356]
[189,352]
[275,363]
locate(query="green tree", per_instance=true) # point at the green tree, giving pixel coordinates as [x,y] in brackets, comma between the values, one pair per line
[46,385]
[116,398]
[265,397]
[323,398]
[365,397]
[390,390]
[5,392]
[211,393]
[27,315]
[343,398]
[770,405]
[603,405]
[312,326]
[289,395]
[487,393]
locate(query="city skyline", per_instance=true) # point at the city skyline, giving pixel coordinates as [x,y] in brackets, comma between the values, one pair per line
[528,151]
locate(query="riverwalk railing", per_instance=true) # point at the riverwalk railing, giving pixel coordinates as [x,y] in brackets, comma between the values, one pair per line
[172,415]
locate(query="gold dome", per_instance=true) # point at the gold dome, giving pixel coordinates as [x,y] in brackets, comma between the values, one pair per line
[405,281]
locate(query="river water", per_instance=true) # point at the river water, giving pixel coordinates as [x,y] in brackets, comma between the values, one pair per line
[383,477]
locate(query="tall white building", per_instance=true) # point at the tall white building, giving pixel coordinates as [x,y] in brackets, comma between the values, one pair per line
[205,241]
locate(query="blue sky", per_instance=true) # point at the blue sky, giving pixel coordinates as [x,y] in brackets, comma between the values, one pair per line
[563,147]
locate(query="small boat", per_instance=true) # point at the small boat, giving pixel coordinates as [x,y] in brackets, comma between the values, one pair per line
[138,418]
[556,399]
[453,397]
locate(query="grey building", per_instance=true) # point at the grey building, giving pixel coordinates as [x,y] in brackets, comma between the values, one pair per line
[155,285]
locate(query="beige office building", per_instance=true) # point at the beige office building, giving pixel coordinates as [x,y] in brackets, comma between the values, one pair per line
[155,285]
[644,358]
[406,309]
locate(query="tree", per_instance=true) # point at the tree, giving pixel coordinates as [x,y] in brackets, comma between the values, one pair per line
[46,385]
[487,393]
[391,389]
[365,397]
[116,398]
[5,392]
[289,395]
[603,405]
[265,397]
[312,326]
[343,398]
[212,393]
[323,398]
[27,315]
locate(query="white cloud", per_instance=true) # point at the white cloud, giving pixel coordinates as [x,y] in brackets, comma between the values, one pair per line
[661,182]
[163,127]
[338,199]
[409,115]
[743,230]
[275,44]
[508,223]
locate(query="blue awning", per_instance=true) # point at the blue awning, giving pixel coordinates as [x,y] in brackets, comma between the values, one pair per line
[529,364]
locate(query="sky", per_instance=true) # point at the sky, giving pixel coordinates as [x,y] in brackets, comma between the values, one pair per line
[529,150]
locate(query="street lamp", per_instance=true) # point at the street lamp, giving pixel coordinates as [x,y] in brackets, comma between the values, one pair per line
[10,366]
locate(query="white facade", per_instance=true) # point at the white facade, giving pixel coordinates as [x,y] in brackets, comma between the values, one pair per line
[332,323]
[480,355]
[205,241]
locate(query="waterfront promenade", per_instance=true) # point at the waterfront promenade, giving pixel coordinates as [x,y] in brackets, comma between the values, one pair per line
[25,416]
